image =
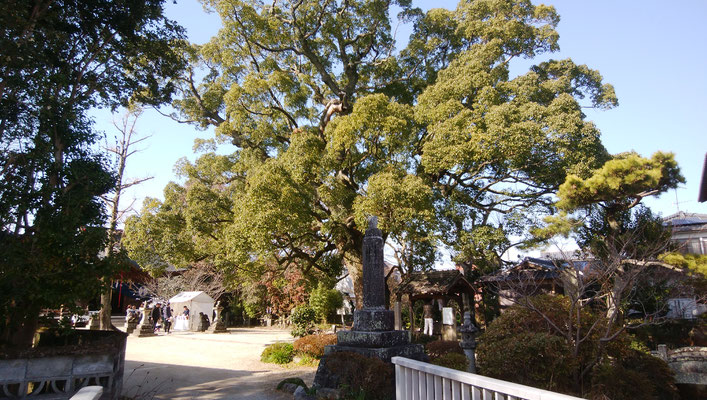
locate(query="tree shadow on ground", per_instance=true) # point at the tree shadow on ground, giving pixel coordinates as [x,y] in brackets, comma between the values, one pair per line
[144,381]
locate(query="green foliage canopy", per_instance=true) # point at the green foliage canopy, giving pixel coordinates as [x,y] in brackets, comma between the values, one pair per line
[60,59]
[331,124]
[325,301]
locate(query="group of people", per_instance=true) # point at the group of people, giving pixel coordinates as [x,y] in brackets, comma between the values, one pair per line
[161,316]
[166,315]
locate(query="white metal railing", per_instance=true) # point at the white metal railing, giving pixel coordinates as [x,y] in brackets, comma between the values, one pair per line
[416,380]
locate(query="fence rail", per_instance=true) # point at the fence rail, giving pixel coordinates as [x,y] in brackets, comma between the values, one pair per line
[416,380]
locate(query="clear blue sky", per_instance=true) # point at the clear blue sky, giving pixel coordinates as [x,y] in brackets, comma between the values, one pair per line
[653,52]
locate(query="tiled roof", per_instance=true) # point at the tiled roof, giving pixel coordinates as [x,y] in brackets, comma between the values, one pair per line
[683,218]
[432,282]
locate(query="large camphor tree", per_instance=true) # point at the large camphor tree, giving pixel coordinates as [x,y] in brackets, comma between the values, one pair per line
[60,58]
[331,123]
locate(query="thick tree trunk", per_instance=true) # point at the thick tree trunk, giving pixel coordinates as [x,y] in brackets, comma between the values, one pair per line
[106,308]
[356,273]
[22,333]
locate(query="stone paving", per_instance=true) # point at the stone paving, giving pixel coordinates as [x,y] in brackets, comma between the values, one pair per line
[191,365]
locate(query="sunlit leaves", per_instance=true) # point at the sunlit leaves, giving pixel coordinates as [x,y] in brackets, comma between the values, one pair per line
[626,176]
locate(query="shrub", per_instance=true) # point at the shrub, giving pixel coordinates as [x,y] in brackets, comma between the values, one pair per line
[325,301]
[439,348]
[533,358]
[360,376]
[302,318]
[306,360]
[519,346]
[522,347]
[278,353]
[634,375]
[452,360]
[313,345]
[421,338]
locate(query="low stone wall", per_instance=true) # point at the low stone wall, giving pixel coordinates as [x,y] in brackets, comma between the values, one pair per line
[60,376]
[688,363]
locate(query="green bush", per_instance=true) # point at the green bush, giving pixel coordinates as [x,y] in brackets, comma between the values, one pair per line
[361,377]
[634,375]
[452,360]
[313,345]
[439,348]
[325,301]
[278,353]
[421,338]
[303,319]
[521,346]
[307,361]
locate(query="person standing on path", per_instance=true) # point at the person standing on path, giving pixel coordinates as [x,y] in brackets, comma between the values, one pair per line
[156,316]
[429,322]
[167,318]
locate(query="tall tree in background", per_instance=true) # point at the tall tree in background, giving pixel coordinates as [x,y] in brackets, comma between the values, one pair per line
[619,285]
[60,59]
[124,148]
[332,124]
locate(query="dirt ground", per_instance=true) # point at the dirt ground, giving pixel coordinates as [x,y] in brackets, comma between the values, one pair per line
[189,365]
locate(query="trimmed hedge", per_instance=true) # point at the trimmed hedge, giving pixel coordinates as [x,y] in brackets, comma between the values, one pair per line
[278,353]
[452,360]
[313,345]
[440,348]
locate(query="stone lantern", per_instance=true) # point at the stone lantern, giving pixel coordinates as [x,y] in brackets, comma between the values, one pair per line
[468,342]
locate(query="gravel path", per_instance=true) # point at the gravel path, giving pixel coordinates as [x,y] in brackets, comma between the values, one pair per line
[188,365]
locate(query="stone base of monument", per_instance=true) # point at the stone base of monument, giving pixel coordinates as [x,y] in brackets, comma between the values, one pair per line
[130,327]
[372,336]
[217,327]
[144,330]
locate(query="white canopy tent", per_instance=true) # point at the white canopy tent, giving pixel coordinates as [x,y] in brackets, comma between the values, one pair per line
[196,302]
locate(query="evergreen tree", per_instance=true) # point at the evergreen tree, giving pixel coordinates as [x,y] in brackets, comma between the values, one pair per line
[60,59]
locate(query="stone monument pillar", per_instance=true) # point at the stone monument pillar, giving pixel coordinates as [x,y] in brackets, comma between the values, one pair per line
[373,276]
[145,328]
[398,315]
[373,333]
[217,325]
[468,342]
[94,323]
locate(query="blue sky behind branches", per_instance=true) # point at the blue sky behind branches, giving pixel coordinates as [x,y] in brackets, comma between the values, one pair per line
[653,52]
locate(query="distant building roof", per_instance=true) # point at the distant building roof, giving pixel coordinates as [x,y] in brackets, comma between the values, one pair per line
[538,269]
[682,218]
[434,283]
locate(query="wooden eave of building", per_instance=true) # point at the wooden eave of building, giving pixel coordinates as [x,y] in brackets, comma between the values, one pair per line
[434,284]
[133,274]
